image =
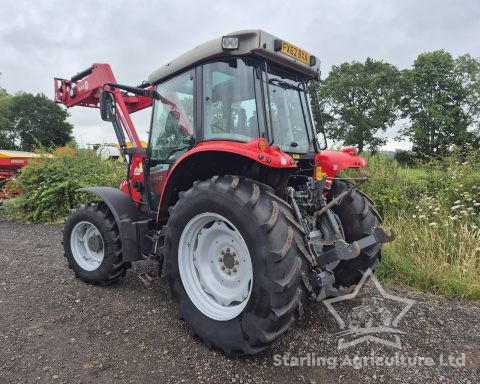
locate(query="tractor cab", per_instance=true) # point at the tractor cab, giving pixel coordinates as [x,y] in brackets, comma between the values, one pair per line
[239,87]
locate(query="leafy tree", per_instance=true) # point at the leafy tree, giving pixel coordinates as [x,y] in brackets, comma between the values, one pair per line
[467,72]
[5,140]
[441,99]
[7,137]
[28,120]
[3,92]
[360,100]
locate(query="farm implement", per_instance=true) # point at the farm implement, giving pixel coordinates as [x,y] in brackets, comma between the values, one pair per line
[11,162]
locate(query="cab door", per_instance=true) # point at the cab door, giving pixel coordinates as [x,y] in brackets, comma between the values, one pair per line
[172,128]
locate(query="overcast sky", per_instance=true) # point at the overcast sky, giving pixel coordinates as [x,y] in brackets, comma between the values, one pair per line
[43,39]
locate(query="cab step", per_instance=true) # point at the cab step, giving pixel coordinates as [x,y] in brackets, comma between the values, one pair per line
[146,278]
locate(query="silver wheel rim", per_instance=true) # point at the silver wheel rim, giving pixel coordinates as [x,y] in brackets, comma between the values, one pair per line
[215,266]
[87,245]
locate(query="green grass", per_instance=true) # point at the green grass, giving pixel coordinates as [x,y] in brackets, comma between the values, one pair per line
[401,270]
[413,174]
[435,211]
[443,259]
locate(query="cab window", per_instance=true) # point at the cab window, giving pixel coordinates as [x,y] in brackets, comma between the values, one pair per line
[173,120]
[230,100]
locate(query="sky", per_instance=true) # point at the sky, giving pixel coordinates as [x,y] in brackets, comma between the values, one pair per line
[40,40]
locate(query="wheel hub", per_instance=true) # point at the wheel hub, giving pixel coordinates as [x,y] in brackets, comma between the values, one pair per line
[215,266]
[86,244]
[95,243]
[228,260]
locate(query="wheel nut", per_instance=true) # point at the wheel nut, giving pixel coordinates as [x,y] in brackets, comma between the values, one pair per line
[223,267]
[237,262]
[234,270]
[228,249]
[234,253]
[222,252]
[229,272]
[220,259]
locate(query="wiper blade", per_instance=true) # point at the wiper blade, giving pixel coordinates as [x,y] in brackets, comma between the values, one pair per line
[284,84]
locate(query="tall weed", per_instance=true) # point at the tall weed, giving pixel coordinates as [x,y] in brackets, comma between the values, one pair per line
[435,209]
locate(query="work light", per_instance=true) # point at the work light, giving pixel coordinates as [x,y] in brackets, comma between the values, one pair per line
[229,42]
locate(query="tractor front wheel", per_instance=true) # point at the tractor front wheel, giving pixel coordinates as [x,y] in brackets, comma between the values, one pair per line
[92,244]
[232,263]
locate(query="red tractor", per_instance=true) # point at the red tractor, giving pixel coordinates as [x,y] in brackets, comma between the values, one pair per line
[233,195]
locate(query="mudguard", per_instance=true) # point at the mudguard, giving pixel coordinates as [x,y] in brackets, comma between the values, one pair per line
[131,222]
[256,150]
[329,163]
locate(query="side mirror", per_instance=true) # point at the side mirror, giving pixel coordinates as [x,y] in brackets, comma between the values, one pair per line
[107,106]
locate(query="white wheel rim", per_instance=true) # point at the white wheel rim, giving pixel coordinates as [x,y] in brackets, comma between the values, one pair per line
[215,266]
[87,245]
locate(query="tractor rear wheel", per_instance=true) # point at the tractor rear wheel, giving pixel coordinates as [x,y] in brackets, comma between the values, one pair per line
[92,244]
[232,263]
[358,217]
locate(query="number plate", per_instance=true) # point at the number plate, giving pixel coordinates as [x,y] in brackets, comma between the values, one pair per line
[295,52]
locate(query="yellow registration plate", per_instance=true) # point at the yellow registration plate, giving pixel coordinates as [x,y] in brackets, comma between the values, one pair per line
[295,52]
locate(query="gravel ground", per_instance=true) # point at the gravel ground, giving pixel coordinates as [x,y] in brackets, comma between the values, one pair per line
[54,328]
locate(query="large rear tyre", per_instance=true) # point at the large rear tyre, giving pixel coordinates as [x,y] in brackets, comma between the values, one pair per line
[232,264]
[358,218]
[92,245]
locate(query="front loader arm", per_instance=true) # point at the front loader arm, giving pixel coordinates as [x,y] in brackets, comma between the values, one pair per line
[84,88]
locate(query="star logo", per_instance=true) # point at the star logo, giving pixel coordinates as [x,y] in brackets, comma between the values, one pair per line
[373,320]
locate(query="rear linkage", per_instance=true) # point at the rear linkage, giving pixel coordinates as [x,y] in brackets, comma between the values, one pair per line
[324,237]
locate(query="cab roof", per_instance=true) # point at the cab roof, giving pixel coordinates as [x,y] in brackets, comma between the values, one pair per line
[250,42]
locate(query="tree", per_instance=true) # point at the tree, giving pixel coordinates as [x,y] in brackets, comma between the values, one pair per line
[28,120]
[441,99]
[361,100]
[467,72]
[3,92]
[6,137]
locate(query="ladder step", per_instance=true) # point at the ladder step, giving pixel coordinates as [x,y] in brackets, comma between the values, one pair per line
[146,278]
